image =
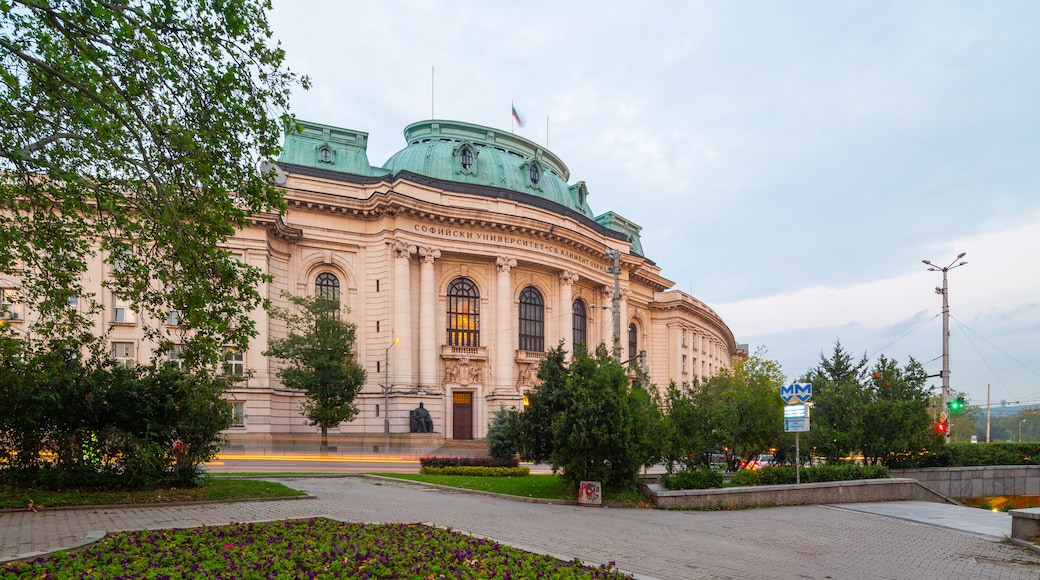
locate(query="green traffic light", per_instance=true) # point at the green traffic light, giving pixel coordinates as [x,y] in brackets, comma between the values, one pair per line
[956,405]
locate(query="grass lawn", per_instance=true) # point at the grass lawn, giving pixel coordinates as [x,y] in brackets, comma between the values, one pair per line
[312,548]
[210,489]
[545,486]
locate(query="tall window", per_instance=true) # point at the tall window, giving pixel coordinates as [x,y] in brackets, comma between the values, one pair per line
[633,340]
[234,364]
[532,320]
[9,304]
[579,325]
[327,286]
[123,353]
[122,311]
[463,313]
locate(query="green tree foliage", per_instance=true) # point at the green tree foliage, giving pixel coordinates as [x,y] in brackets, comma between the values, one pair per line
[692,422]
[839,404]
[69,420]
[503,435]
[132,130]
[321,363]
[886,414]
[897,414]
[600,426]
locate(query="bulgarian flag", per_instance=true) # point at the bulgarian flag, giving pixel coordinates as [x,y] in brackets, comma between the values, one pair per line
[516,116]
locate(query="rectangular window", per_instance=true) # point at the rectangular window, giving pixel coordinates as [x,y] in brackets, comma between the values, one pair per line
[10,309]
[684,337]
[174,319]
[234,364]
[176,356]
[122,311]
[238,414]
[123,353]
[684,364]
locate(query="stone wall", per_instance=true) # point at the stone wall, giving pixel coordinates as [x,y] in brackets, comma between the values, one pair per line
[988,481]
[866,490]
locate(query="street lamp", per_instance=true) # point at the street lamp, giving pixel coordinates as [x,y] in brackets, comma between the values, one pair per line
[386,393]
[945,373]
[1020,430]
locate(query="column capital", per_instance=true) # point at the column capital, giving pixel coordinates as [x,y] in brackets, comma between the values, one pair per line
[505,264]
[568,278]
[428,254]
[403,250]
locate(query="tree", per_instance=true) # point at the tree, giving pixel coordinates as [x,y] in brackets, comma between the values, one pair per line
[321,363]
[838,404]
[503,435]
[897,415]
[600,427]
[132,131]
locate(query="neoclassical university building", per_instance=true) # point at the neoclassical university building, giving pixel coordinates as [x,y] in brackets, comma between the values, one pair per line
[462,260]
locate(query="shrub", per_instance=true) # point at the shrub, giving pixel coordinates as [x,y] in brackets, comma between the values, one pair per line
[747,477]
[504,434]
[702,478]
[467,462]
[477,471]
[982,454]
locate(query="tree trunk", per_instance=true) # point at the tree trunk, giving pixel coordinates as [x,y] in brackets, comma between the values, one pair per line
[324,436]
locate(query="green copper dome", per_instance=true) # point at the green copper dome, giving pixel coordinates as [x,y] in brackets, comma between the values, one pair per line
[467,153]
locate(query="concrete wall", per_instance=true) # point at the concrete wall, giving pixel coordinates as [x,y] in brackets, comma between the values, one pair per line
[867,490]
[990,481]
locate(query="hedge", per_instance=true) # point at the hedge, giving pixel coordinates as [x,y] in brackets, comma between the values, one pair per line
[433,461]
[477,471]
[780,475]
[983,454]
[702,478]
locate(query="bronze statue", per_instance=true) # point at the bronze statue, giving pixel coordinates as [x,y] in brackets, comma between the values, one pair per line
[420,421]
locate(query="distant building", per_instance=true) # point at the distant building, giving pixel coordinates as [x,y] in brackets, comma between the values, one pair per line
[468,246]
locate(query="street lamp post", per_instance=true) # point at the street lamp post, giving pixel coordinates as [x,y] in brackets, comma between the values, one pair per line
[945,373]
[386,395]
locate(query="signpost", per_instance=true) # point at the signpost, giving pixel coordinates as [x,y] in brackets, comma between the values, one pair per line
[796,417]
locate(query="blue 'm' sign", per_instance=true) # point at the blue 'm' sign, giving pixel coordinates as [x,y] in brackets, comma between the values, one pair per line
[800,391]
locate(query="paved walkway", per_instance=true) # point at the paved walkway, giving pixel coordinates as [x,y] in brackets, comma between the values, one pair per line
[912,540]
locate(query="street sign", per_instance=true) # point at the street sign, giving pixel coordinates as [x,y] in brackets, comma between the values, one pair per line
[942,416]
[796,411]
[796,425]
[796,393]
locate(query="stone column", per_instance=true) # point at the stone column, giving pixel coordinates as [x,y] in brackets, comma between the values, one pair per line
[401,369]
[567,280]
[503,378]
[427,319]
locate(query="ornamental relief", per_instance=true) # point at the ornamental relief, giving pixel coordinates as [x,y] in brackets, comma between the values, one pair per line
[528,377]
[463,372]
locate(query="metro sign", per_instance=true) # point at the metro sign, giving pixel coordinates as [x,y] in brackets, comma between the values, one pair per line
[796,393]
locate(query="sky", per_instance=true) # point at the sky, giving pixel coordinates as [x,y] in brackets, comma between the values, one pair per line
[791,163]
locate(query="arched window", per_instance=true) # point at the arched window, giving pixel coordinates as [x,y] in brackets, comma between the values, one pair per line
[580,325]
[633,340]
[466,158]
[532,320]
[326,285]
[463,313]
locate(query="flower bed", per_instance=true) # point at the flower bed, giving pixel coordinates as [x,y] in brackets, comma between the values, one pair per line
[311,548]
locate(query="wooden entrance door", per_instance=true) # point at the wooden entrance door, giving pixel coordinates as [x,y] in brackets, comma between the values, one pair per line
[462,415]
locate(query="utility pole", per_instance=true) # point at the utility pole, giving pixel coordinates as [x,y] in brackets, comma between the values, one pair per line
[945,373]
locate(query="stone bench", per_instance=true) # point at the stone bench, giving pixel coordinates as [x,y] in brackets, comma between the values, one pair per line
[1025,523]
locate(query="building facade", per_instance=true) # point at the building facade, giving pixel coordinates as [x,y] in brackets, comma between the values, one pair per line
[461,260]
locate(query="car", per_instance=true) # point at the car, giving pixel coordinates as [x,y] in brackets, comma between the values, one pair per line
[761,461]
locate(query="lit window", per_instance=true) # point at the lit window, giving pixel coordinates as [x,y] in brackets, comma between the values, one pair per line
[580,325]
[532,320]
[463,313]
[123,353]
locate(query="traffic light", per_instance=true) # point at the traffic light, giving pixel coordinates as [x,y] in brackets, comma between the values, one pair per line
[956,405]
[941,427]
